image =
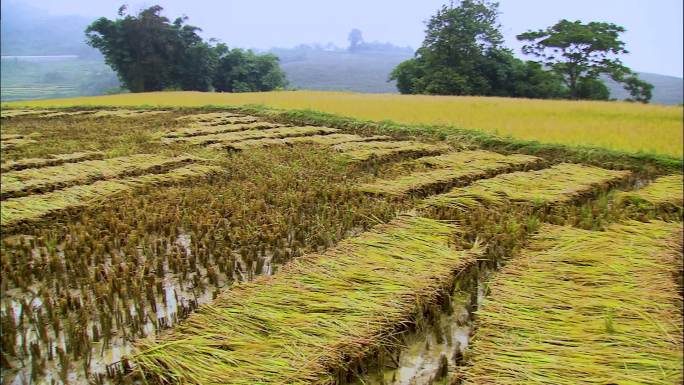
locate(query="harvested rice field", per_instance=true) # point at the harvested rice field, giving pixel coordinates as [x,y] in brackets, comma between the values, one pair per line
[245,246]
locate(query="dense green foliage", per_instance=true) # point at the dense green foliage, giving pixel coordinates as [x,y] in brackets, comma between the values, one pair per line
[244,71]
[580,53]
[149,53]
[462,54]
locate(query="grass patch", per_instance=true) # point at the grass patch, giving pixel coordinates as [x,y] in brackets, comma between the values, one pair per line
[602,307]
[312,317]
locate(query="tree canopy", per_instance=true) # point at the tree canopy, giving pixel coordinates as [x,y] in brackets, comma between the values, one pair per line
[580,53]
[150,53]
[462,54]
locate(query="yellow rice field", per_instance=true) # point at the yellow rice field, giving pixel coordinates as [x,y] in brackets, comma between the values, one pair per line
[614,125]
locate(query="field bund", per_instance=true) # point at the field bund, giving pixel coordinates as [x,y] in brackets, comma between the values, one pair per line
[602,307]
[315,316]
[630,127]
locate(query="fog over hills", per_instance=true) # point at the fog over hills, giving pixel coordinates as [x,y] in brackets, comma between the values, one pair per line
[29,31]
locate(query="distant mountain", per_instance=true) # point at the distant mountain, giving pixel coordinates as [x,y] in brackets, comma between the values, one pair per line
[26,30]
[367,71]
[666,89]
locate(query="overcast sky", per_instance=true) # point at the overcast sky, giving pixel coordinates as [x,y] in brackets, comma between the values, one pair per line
[653,37]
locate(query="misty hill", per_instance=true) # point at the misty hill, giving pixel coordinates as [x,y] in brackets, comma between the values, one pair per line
[30,31]
[367,71]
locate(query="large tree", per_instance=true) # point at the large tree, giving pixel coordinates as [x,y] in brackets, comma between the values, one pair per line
[581,53]
[462,54]
[149,53]
[244,71]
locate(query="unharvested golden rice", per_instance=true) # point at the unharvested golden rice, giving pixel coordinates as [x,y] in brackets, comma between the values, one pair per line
[35,207]
[584,307]
[615,125]
[295,327]
[460,167]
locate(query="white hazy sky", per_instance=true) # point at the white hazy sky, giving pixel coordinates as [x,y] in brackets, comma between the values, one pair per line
[653,37]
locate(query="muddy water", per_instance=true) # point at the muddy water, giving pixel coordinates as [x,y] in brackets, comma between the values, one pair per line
[440,343]
[175,299]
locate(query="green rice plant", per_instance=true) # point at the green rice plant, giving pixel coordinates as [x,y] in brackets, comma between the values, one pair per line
[229,127]
[52,160]
[365,151]
[219,140]
[313,316]
[559,184]
[323,140]
[35,207]
[664,193]
[459,167]
[25,182]
[587,307]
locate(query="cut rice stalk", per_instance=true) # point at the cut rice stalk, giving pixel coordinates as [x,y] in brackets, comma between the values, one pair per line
[35,207]
[664,193]
[462,167]
[24,182]
[300,325]
[559,184]
[585,307]
[218,129]
[53,160]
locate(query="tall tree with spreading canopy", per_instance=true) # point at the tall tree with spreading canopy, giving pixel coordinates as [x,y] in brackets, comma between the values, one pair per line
[462,54]
[580,53]
[150,53]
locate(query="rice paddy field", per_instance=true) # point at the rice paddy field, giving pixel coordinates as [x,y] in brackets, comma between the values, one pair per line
[242,245]
[620,126]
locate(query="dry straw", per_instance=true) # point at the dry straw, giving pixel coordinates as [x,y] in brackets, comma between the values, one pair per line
[585,307]
[560,184]
[313,316]
[35,207]
[24,182]
[52,160]
[459,167]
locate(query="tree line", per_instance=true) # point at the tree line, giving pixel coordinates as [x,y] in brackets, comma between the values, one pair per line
[463,54]
[150,53]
